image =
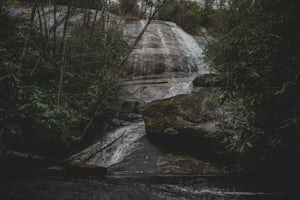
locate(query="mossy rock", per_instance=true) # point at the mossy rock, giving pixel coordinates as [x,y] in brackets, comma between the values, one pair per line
[208,80]
[183,114]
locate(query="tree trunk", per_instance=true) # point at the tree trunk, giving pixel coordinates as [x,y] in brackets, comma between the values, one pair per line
[62,53]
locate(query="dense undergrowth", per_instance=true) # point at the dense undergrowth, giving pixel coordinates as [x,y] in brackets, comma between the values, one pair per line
[54,89]
[191,15]
[256,52]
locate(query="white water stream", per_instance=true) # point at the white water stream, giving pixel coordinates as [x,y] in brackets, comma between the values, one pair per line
[119,144]
[166,45]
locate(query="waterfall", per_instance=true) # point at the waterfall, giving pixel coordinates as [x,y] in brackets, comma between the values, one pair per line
[163,64]
[113,147]
[123,141]
[164,49]
[192,52]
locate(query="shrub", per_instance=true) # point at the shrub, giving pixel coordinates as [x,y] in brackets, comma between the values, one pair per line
[31,118]
[257,54]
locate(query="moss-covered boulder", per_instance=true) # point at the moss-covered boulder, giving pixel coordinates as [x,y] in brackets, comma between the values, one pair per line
[193,114]
[187,123]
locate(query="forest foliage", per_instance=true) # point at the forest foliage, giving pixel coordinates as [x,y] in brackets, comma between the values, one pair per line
[192,15]
[55,86]
[256,52]
[60,71]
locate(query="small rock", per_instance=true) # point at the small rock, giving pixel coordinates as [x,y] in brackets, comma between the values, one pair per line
[119,122]
[55,168]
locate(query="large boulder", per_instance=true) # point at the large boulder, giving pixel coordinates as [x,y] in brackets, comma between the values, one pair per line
[187,123]
[192,114]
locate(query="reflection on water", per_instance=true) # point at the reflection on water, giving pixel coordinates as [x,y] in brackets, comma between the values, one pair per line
[43,187]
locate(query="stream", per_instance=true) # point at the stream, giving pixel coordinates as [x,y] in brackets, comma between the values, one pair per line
[63,187]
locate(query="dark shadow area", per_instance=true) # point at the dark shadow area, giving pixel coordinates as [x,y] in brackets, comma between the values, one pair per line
[200,148]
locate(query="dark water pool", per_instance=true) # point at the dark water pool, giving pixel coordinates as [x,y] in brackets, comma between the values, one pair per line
[61,187]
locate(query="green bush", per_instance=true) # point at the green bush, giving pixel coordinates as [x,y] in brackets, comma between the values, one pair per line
[185,14]
[31,118]
[257,54]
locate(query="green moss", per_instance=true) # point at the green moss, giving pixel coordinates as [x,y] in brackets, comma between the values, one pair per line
[170,116]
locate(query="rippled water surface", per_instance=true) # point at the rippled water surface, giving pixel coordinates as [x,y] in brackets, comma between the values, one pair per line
[47,187]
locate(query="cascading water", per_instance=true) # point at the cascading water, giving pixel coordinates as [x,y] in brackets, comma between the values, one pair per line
[164,62]
[167,60]
[180,88]
[113,147]
[119,144]
[192,52]
[165,50]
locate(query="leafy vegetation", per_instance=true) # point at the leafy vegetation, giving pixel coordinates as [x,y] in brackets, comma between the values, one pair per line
[137,9]
[186,14]
[256,52]
[59,76]
[54,88]
[129,7]
[192,15]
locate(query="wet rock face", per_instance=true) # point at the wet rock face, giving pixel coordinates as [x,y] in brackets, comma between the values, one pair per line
[164,48]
